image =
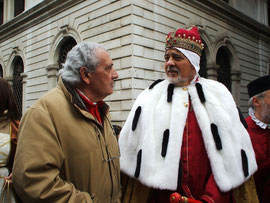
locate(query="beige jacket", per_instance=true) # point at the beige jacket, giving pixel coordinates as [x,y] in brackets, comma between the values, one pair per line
[64,154]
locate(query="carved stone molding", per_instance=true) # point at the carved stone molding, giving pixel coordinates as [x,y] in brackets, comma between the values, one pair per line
[52,74]
[64,29]
[212,71]
[15,50]
[235,75]
[52,70]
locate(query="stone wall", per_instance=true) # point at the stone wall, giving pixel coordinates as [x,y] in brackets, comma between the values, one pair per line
[134,32]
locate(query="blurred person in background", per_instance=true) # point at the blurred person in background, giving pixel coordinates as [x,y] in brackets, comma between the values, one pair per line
[9,123]
[259,129]
[117,130]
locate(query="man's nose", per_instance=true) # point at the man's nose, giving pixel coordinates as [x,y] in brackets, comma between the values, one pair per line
[114,74]
[170,62]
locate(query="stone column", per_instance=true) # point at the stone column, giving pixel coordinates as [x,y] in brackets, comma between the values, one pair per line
[52,74]
[10,80]
[236,77]
[8,10]
[24,78]
[212,71]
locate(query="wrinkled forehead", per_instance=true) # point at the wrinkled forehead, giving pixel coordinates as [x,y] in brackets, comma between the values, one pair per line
[267,93]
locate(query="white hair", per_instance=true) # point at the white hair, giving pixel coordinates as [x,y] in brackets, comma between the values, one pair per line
[260,95]
[83,54]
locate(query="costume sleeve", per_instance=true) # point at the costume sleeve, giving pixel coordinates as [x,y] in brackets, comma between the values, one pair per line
[38,161]
[213,195]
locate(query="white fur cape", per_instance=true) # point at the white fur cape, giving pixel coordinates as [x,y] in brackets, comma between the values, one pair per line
[157,115]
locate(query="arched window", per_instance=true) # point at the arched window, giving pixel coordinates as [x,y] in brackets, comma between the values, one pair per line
[18,7]
[224,71]
[226,1]
[1,72]
[203,63]
[1,12]
[268,13]
[17,82]
[67,45]
[268,67]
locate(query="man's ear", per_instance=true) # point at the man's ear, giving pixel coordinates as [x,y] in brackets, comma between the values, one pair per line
[85,75]
[256,102]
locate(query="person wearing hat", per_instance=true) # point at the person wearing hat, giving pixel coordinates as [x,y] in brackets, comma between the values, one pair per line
[184,134]
[259,129]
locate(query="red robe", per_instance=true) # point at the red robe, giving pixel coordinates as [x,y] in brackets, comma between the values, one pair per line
[196,178]
[260,139]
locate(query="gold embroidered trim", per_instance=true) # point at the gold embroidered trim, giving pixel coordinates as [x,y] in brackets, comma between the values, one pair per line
[186,43]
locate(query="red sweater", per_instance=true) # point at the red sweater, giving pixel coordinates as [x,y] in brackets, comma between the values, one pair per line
[92,108]
[196,179]
[260,139]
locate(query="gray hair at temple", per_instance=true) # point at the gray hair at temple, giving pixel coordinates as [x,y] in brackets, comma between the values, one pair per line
[83,54]
[259,96]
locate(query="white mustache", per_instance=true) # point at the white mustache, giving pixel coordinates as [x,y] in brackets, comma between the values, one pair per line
[172,68]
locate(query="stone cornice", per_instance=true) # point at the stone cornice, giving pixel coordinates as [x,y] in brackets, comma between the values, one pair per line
[232,16]
[49,8]
[33,16]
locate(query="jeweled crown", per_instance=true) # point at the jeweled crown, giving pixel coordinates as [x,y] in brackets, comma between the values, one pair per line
[186,39]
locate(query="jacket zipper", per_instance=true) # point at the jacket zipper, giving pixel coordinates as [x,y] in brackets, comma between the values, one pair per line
[107,157]
[110,169]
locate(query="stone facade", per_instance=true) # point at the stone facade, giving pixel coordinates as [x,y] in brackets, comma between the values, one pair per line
[134,32]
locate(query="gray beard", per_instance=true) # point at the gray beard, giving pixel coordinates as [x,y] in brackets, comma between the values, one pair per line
[177,80]
[265,113]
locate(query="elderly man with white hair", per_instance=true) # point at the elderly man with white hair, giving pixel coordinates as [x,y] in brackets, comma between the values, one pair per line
[184,134]
[67,150]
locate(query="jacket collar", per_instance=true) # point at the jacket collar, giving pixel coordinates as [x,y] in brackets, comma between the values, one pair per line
[257,121]
[75,98]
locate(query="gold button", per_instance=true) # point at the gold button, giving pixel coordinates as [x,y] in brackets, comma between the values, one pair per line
[184,88]
[186,104]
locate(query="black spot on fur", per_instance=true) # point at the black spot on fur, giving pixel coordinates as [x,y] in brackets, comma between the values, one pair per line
[139,161]
[155,83]
[165,141]
[136,117]
[200,92]
[170,92]
[242,119]
[244,163]
[216,136]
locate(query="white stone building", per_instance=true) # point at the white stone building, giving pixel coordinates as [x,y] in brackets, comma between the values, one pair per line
[35,36]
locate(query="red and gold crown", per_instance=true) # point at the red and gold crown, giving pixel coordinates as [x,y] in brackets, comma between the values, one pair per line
[186,39]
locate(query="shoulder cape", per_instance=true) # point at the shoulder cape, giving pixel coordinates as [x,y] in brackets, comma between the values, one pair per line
[150,141]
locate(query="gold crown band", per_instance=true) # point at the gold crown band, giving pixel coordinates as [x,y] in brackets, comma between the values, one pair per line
[185,43]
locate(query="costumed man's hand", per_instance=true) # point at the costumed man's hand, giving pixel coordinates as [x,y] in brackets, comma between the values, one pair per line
[177,198]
